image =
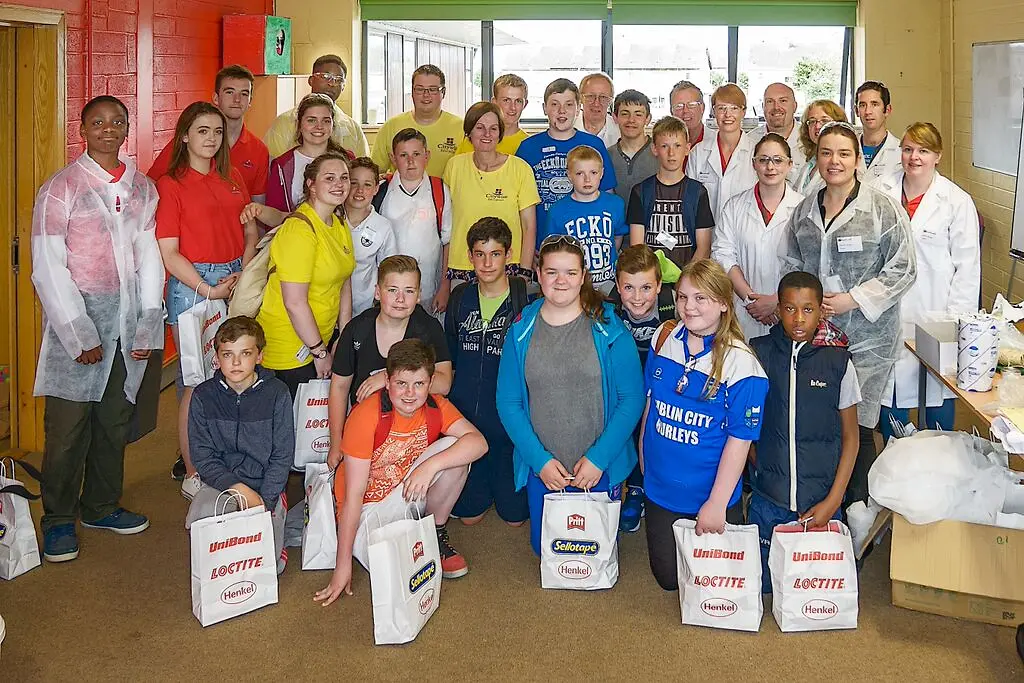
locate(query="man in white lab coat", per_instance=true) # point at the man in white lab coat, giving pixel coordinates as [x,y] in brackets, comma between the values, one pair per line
[779,108]
[687,104]
[881,149]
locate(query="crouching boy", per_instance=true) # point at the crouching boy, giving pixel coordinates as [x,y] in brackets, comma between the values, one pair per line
[809,438]
[393,456]
[241,431]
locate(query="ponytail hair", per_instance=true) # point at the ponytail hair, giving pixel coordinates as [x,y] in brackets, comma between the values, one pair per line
[590,299]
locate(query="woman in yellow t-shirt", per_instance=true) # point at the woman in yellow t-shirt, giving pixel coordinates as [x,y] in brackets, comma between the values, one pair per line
[308,293]
[489,184]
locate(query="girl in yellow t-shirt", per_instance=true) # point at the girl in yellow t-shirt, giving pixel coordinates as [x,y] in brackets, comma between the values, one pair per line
[308,293]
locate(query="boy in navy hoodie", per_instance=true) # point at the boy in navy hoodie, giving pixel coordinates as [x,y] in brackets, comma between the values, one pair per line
[478,316]
[241,430]
[809,437]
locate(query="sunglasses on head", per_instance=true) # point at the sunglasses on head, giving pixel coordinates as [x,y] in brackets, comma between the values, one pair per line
[837,124]
[552,240]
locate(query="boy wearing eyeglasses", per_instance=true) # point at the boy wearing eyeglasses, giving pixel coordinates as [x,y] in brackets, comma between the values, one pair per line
[442,129]
[597,91]
[632,157]
[509,94]
[546,152]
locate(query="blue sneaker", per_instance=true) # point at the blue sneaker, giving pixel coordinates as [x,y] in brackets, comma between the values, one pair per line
[60,544]
[120,521]
[632,509]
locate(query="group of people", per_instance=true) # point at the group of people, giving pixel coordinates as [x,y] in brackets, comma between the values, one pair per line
[662,316]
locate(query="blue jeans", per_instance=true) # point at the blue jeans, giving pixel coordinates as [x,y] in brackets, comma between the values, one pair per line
[940,416]
[535,492]
[180,297]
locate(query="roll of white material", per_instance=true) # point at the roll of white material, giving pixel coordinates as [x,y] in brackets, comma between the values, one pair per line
[978,352]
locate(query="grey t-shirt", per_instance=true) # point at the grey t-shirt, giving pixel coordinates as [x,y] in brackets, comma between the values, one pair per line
[631,170]
[563,377]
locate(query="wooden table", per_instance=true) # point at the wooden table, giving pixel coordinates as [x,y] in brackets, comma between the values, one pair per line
[973,400]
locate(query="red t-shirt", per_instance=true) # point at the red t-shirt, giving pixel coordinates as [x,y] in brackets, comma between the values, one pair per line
[249,155]
[203,212]
[911,204]
[118,172]
[766,215]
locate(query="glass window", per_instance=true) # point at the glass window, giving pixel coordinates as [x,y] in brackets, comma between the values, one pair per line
[540,52]
[376,86]
[807,58]
[652,59]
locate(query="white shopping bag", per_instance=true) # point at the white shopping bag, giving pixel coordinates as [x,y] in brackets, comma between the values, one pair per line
[320,532]
[405,578]
[814,577]
[234,568]
[19,549]
[312,429]
[196,329]
[579,541]
[719,576]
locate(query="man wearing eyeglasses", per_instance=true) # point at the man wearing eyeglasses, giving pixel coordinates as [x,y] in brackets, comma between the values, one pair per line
[328,78]
[882,152]
[687,104]
[779,109]
[597,92]
[509,93]
[442,129]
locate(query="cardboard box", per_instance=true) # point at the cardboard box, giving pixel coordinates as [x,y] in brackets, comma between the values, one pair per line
[936,343]
[260,42]
[956,569]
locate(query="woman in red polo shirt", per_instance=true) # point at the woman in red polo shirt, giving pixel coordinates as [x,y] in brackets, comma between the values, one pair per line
[202,242]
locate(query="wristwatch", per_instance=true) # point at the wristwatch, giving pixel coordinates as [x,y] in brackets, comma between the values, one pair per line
[320,354]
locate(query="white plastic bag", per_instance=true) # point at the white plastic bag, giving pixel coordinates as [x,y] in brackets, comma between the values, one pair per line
[405,578]
[579,541]
[719,576]
[312,428]
[197,327]
[320,532]
[814,578]
[19,548]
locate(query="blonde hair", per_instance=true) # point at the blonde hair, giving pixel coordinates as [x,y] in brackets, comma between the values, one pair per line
[924,134]
[599,75]
[730,93]
[669,125]
[834,112]
[581,154]
[708,276]
[509,81]
[398,264]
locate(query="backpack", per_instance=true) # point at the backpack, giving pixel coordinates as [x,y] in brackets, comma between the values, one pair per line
[387,417]
[247,296]
[436,192]
[666,330]
[517,296]
[691,197]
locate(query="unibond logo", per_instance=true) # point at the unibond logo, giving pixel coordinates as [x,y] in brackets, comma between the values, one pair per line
[210,322]
[316,402]
[427,601]
[238,592]
[819,610]
[818,556]
[235,540]
[574,569]
[718,607]
[718,554]
[565,546]
[576,522]
[417,550]
[420,578]
[321,444]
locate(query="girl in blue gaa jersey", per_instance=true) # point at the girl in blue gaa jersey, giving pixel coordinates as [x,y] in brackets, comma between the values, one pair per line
[569,386]
[705,399]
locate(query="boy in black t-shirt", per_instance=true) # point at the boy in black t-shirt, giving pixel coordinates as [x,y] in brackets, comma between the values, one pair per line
[360,357]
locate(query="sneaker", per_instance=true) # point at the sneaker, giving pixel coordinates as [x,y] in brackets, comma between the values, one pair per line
[60,544]
[632,509]
[120,521]
[453,564]
[190,486]
[178,471]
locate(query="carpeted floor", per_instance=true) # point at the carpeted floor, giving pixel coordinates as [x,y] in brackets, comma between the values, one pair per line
[122,612]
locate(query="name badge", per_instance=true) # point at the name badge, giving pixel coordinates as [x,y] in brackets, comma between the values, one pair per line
[666,240]
[849,243]
[303,354]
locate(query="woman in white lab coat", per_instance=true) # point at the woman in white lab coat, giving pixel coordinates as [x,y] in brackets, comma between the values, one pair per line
[944,221]
[722,161]
[748,234]
[816,116]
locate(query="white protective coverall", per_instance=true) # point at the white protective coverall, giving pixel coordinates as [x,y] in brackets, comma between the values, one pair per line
[869,252]
[97,270]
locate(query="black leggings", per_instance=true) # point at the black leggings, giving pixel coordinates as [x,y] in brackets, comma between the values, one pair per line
[866,455]
[661,542]
[296,376]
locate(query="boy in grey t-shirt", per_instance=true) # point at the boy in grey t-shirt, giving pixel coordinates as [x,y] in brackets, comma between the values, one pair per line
[631,156]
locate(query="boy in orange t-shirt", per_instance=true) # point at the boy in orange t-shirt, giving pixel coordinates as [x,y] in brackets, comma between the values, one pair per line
[394,456]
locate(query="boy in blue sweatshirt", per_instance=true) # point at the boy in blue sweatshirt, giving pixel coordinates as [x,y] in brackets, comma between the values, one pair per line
[241,430]
[809,437]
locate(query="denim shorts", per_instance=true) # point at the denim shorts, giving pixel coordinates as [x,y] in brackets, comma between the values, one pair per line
[180,297]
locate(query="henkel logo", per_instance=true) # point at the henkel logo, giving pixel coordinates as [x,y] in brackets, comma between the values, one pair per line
[233,567]
[321,444]
[718,607]
[238,593]
[235,540]
[210,322]
[421,577]
[565,546]
[820,610]
[576,522]
[718,554]
[316,402]
[574,569]
[417,550]
[719,581]
[820,583]
[427,601]
[817,556]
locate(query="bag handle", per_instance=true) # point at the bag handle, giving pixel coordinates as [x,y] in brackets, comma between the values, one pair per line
[19,489]
[228,495]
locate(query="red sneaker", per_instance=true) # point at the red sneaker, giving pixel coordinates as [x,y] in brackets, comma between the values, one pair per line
[453,564]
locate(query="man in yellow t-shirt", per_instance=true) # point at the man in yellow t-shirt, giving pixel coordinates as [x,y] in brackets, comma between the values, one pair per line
[442,129]
[509,94]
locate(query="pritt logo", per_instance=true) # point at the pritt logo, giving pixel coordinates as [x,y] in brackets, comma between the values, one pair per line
[820,610]
[718,607]
[238,593]
[575,522]
[321,444]
[565,546]
[427,601]
[718,554]
[574,569]
[417,550]
[422,577]
[818,556]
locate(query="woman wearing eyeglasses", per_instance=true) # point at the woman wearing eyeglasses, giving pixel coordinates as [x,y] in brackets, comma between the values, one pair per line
[748,234]
[570,389]
[722,162]
[944,221]
[859,243]
[818,114]
[597,93]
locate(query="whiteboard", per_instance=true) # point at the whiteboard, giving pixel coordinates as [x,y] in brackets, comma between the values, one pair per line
[997,104]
